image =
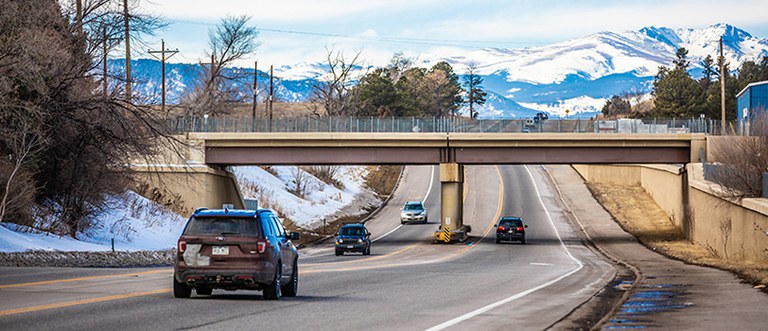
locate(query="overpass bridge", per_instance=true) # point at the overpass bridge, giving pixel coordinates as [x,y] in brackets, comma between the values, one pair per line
[451,151]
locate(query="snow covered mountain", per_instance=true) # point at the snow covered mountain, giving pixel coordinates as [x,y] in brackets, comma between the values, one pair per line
[577,74]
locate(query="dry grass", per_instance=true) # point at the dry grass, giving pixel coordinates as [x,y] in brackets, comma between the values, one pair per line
[382,179]
[637,213]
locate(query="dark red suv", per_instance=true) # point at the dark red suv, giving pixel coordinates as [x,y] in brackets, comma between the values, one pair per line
[236,249]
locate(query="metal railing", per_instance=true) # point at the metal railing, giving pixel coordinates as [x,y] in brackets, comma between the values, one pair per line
[440,124]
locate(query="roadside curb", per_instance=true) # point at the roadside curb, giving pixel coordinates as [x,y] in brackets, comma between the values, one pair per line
[588,238]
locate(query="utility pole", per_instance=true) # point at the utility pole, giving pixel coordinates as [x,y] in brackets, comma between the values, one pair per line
[162,52]
[271,92]
[255,89]
[722,89]
[104,50]
[127,53]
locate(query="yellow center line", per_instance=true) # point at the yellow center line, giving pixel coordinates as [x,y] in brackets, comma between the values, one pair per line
[374,258]
[465,249]
[81,302]
[80,279]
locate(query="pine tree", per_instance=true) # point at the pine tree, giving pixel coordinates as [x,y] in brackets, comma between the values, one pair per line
[376,94]
[474,90]
[677,94]
[708,72]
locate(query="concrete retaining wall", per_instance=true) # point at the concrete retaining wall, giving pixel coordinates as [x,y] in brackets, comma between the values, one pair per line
[192,186]
[732,230]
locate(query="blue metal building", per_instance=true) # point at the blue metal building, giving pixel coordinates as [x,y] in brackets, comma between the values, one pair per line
[752,99]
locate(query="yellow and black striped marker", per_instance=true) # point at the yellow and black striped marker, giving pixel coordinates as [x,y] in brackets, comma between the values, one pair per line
[447,234]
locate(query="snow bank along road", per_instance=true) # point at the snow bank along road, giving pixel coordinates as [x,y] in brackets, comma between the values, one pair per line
[406,284]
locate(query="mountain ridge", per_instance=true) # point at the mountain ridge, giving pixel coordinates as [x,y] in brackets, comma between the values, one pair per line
[577,74]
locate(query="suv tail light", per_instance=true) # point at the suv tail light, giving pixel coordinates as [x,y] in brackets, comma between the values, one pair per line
[519,228]
[262,246]
[182,246]
[501,228]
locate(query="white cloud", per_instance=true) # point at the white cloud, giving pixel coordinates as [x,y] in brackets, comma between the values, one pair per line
[279,11]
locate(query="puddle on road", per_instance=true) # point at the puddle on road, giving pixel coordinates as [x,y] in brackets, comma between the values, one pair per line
[649,299]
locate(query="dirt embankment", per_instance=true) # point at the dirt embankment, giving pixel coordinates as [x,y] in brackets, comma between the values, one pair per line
[637,213]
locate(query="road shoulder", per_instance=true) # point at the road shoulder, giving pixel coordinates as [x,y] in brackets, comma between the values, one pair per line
[668,294]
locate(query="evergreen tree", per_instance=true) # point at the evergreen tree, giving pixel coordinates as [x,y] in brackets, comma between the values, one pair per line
[376,94]
[712,104]
[681,61]
[615,106]
[677,94]
[412,93]
[708,72]
[475,95]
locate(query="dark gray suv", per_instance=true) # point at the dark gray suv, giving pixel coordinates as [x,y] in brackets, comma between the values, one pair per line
[236,249]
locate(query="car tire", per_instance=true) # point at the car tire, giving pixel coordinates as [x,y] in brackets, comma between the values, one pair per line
[273,291]
[498,241]
[522,241]
[402,222]
[203,290]
[339,253]
[290,289]
[181,290]
[367,251]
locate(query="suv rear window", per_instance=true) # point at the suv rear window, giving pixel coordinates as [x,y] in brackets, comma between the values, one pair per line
[511,223]
[214,226]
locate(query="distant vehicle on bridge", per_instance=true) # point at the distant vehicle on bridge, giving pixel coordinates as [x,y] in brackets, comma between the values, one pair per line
[236,249]
[413,211]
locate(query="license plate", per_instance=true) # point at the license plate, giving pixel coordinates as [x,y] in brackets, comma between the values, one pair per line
[220,250]
[511,231]
[350,246]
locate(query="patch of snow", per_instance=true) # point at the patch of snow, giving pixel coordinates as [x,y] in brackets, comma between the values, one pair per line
[136,223]
[320,200]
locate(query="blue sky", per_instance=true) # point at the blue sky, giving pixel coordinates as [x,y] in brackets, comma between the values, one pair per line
[432,26]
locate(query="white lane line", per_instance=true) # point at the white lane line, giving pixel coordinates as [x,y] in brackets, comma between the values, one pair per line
[542,264]
[431,182]
[496,304]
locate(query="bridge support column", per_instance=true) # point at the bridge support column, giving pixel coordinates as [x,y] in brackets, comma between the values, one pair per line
[451,204]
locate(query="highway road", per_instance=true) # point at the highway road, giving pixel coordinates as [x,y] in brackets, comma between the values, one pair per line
[407,283]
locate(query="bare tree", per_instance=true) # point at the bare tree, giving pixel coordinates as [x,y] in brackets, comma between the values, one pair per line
[22,146]
[86,139]
[743,162]
[300,179]
[326,173]
[333,91]
[215,88]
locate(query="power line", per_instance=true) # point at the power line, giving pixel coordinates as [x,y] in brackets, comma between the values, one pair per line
[414,41]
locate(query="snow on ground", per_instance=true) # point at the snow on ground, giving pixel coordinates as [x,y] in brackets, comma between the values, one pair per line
[135,223]
[320,202]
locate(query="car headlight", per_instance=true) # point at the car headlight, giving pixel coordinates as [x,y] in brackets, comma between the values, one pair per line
[340,241]
[423,212]
[403,214]
[359,240]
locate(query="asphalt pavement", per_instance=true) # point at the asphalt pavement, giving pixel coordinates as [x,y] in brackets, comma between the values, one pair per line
[407,283]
